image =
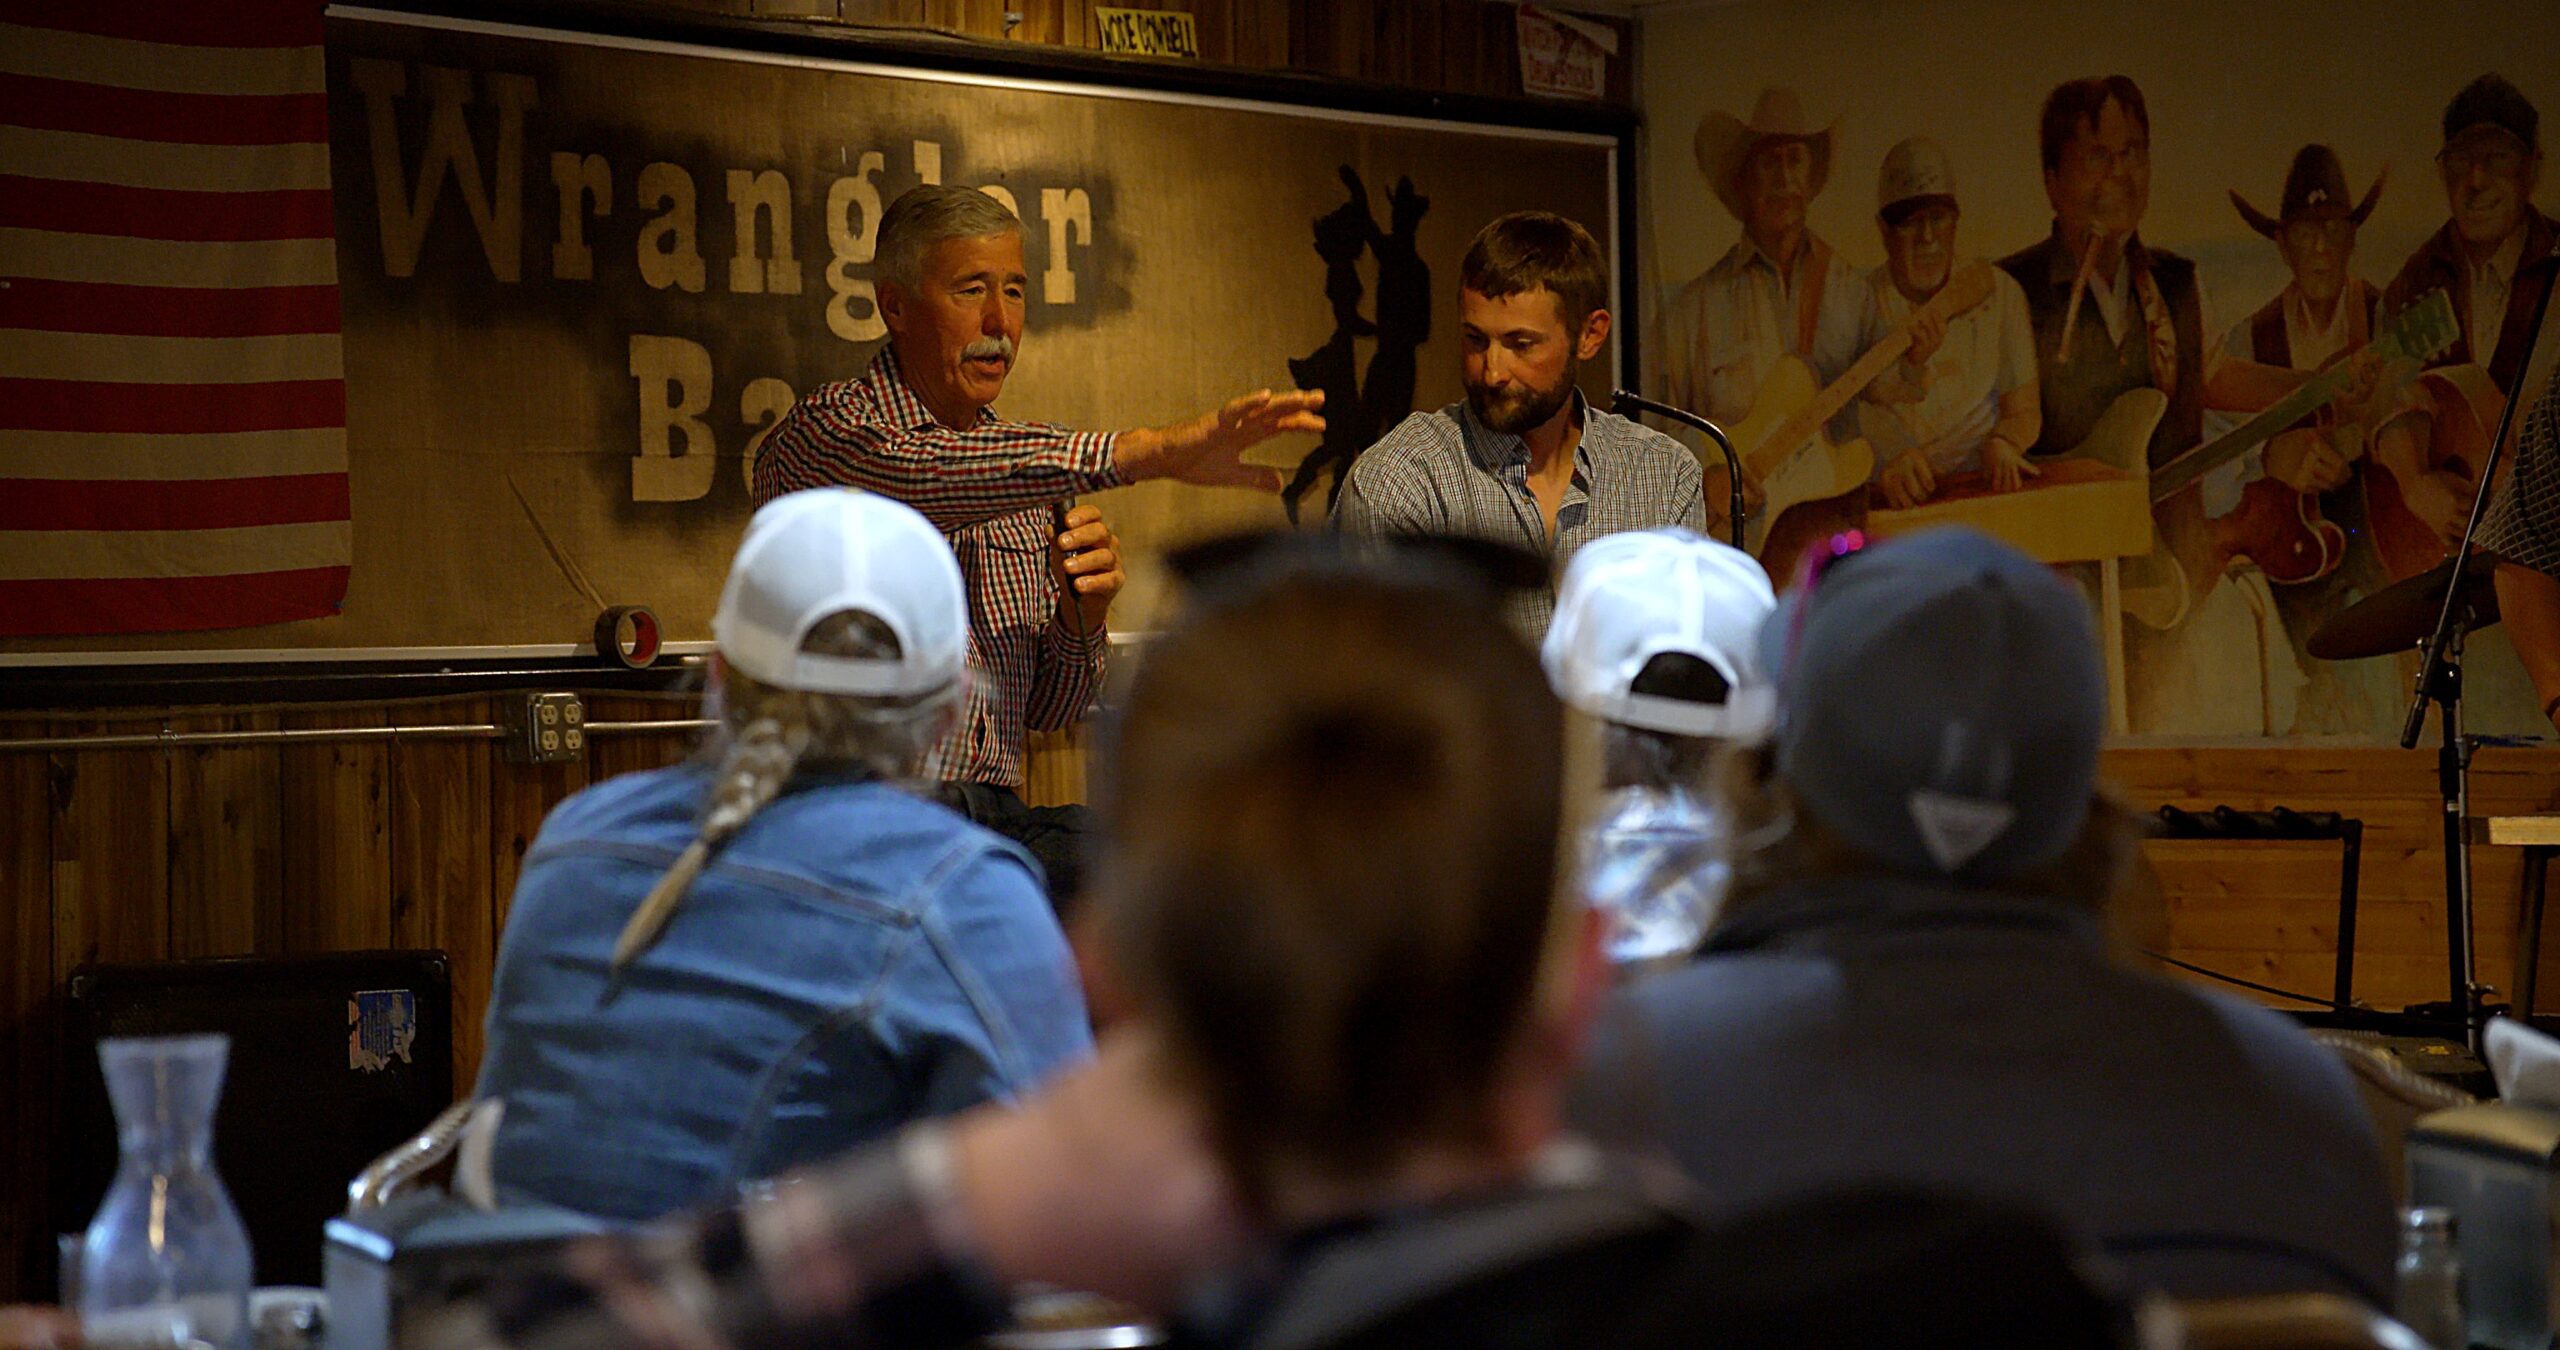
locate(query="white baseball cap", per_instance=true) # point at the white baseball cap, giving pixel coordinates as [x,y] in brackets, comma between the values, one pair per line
[809,555]
[1628,598]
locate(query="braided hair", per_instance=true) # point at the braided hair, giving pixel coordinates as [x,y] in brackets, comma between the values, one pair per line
[768,735]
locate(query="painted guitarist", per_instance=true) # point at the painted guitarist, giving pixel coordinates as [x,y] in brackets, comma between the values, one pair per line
[2493,259]
[2113,315]
[2311,535]
[1781,292]
[1964,397]
[2496,254]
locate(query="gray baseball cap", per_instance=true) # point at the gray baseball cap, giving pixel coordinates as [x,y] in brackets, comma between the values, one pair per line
[1940,704]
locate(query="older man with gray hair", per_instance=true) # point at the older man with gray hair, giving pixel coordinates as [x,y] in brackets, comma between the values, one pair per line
[918,426]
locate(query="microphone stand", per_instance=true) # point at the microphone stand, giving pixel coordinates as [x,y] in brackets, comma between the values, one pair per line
[1626,401]
[2440,682]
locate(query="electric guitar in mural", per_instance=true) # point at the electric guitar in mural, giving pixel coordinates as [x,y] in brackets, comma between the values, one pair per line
[1782,443]
[2274,526]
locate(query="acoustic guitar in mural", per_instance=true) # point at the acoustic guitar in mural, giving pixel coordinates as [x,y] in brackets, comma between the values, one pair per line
[2274,526]
[1782,442]
[2465,404]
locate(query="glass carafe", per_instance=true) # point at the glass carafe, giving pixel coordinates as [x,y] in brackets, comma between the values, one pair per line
[165,1260]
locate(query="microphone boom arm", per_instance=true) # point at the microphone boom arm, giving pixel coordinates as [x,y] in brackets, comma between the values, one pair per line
[1625,401]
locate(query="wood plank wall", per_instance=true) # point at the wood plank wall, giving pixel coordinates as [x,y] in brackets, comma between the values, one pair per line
[1449,46]
[153,854]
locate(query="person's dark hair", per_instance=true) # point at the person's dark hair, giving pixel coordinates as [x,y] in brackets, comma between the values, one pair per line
[1330,881]
[1643,757]
[1529,249]
[2075,104]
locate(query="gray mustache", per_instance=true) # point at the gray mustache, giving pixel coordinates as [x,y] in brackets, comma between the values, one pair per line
[1001,348]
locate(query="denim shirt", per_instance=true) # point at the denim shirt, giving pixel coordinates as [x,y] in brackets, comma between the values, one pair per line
[850,960]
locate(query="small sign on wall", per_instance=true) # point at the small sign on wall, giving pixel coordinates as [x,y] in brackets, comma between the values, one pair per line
[1562,56]
[1148,32]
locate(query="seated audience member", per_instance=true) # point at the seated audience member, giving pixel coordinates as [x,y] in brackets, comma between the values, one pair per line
[763,957]
[1331,892]
[1654,636]
[1909,984]
[1328,892]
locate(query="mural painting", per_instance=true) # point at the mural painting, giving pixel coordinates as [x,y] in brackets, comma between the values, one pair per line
[2222,477]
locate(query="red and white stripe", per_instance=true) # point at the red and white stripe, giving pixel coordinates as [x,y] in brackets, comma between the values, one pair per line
[173,446]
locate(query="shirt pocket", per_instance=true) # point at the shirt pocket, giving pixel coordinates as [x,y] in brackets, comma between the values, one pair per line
[1010,586]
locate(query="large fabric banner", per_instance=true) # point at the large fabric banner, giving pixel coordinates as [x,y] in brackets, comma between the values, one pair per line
[582,277]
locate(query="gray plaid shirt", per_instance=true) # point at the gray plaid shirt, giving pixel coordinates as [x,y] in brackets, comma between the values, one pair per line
[1445,473]
[2524,521]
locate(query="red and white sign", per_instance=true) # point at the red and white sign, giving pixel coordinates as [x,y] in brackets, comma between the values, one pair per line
[1562,56]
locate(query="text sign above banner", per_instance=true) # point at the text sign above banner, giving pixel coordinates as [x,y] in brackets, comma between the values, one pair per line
[1147,32]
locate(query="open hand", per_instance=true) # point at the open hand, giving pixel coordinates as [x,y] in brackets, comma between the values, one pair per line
[1208,450]
[2006,466]
[1907,481]
[2304,460]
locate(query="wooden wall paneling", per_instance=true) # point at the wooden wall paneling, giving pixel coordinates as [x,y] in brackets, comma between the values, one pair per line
[110,861]
[617,754]
[1215,21]
[1261,30]
[1423,35]
[1056,766]
[1461,50]
[441,862]
[1043,22]
[26,1015]
[1498,52]
[336,814]
[520,797]
[226,842]
[885,13]
[2268,911]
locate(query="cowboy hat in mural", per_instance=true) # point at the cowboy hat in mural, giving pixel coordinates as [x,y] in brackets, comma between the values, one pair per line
[2315,188]
[1725,141]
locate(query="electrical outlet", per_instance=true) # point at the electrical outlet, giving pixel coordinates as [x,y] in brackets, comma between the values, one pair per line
[546,728]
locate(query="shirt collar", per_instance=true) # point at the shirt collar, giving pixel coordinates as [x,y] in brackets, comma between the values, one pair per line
[1747,253]
[2502,264]
[2297,312]
[888,380]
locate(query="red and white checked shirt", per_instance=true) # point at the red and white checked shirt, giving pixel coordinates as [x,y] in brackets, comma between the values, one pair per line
[989,490]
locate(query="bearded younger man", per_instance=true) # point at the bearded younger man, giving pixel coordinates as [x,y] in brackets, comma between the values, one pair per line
[1525,460]
[919,427]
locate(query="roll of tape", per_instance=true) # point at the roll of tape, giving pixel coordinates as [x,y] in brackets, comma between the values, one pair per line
[627,636]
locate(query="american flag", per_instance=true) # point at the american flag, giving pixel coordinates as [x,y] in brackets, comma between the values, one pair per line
[173,446]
